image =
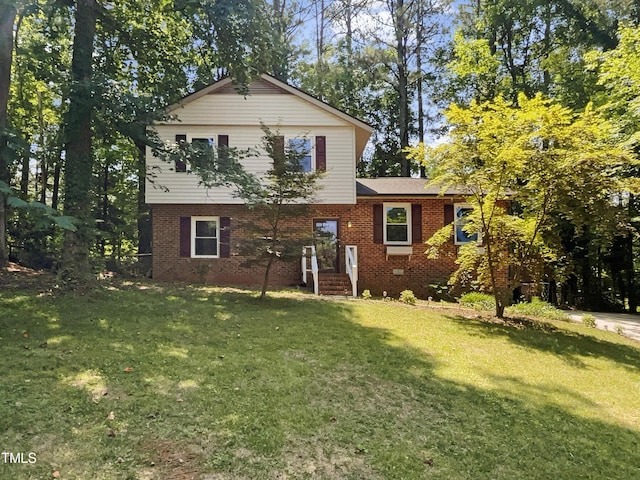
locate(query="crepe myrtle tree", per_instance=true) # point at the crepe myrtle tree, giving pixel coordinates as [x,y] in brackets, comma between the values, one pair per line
[521,168]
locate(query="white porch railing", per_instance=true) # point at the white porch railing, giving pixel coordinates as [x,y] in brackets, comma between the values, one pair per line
[309,252]
[351,261]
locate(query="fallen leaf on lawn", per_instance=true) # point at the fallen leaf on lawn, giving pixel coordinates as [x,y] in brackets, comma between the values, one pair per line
[56,474]
[179,400]
[25,334]
[128,369]
[111,416]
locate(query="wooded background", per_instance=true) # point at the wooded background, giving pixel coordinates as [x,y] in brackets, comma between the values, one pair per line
[81,80]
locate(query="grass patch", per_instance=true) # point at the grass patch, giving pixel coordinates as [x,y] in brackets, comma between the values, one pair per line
[142,381]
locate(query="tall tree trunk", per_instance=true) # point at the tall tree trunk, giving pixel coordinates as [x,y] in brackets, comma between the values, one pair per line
[24,176]
[320,69]
[401,32]
[104,209]
[631,275]
[419,41]
[55,189]
[144,215]
[7,18]
[44,160]
[76,268]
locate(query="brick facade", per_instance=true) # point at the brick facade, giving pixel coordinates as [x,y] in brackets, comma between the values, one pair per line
[396,273]
[376,272]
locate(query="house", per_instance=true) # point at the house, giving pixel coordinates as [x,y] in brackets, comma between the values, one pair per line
[377,226]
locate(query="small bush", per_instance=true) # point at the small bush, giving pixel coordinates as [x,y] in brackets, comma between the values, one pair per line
[478,301]
[538,308]
[407,296]
[589,320]
[366,294]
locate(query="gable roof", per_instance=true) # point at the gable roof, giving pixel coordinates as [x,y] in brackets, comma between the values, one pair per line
[270,85]
[400,187]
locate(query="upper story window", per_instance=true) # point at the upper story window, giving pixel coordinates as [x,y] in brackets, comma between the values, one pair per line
[397,223]
[205,235]
[200,144]
[460,219]
[303,146]
[203,144]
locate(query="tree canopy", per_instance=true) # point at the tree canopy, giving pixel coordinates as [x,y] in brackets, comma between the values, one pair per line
[523,167]
[80,80]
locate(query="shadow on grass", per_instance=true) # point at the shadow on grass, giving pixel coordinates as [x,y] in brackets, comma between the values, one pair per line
[242,388]
[545,337]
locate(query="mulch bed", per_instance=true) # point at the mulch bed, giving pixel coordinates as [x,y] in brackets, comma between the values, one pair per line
[17,277]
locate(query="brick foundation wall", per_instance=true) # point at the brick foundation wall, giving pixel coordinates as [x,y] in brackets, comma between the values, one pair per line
[376,272]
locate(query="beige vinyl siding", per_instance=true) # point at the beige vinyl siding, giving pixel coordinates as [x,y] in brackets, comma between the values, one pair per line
[233,109]
[338,184]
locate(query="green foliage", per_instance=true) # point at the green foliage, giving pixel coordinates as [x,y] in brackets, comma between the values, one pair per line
[474,66]
[366,294]
[539,309]
[279,198]
[478,301]
[46,213]
[538,157]
[408,297]
[589,320]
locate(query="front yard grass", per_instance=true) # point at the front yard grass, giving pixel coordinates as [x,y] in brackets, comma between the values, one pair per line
[144,381]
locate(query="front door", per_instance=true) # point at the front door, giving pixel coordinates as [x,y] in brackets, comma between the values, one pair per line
[325,234]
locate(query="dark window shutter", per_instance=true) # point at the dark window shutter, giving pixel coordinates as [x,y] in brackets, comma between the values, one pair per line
[180,165]
[448,214]
[278,156]
[225,237]
[223,145]
[416,223]
[321,153]
[448,218]
[378,223]
[185,236]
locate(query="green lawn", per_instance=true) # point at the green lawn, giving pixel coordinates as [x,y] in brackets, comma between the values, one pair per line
[153,382]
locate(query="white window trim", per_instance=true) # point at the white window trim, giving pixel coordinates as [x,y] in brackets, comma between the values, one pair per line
[455,225]
[212,136]
[406,206]
[193,235]
[312,149]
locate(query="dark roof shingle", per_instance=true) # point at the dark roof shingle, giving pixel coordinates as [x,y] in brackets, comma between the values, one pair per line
[399,186]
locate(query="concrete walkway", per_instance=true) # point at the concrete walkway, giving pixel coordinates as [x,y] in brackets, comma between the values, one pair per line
[630,324]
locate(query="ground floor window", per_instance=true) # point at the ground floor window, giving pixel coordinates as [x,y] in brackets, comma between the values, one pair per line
[461,214]
[205,234]
[397,223]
